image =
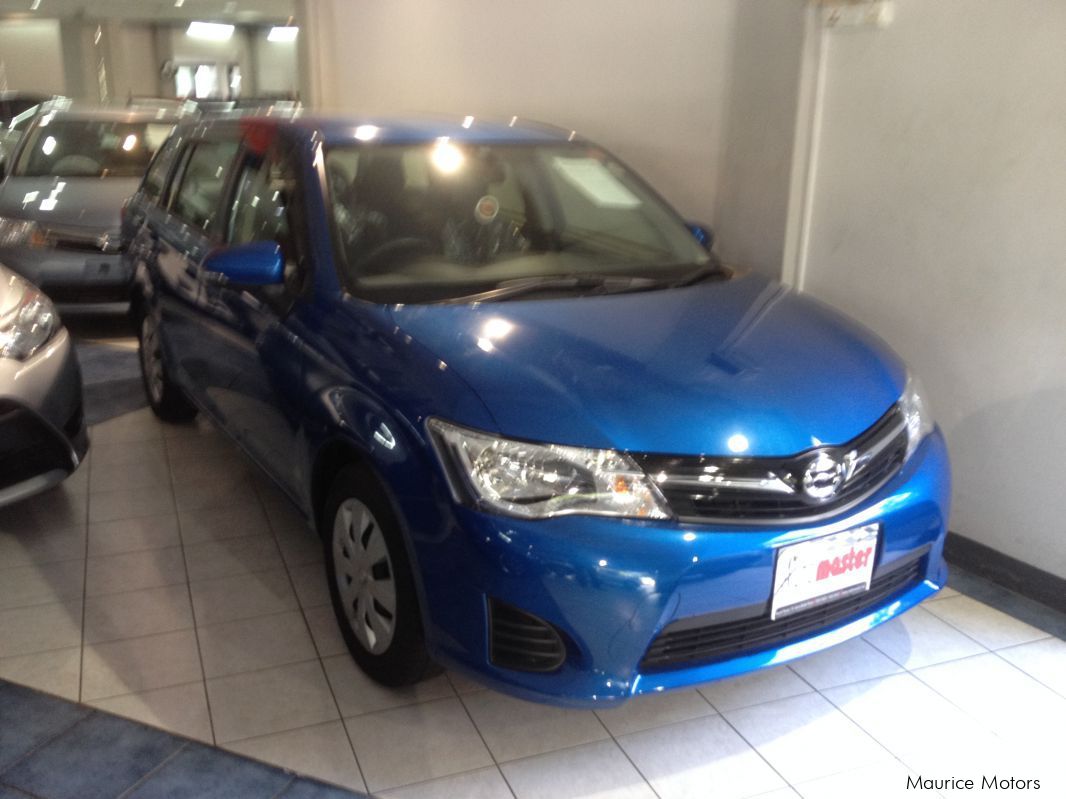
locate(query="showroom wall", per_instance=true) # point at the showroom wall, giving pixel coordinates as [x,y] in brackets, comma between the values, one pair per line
[939,201]
[22,43]
[275,66]
[648,82]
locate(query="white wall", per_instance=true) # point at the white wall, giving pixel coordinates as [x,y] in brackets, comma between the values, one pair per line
[138,72]
[31,57]
[275,65]
[939,219]
[760,121]
[647,80]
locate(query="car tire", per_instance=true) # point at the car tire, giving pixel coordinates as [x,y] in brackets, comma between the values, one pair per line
[167,401]
[371,582]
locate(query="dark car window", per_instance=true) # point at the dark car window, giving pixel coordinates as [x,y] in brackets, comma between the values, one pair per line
[203,180]
[443,220]
[63,147]
[156,177]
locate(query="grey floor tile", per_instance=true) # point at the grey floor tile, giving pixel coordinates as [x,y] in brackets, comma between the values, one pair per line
[106,454]
[322,751]
[140,664]
[311,586]
[273,700]
[655,710]
[198,772]
[805,737]
[97,758]
[26,547]
[416,743]
[57,671]
[130,503]
[209,445]
[217,524]
[324,629]
[242,596]
[699,758]
[231,556]
[133,614]
[258,643]
[40,718]
[56,509]
[134,535]
[308,789]
[599,769]
[357,694]
[514,728]
[180,709]
[486,783]
[24,631]
[148,473]
[133,571]
[41,583]
[217,493]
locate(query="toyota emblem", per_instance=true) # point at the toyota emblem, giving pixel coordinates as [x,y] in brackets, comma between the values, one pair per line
[823,477]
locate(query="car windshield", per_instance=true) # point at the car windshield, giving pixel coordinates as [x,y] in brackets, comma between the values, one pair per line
[72,148]
[446,220]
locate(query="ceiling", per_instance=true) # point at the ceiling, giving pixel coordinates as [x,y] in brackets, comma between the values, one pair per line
[246,11]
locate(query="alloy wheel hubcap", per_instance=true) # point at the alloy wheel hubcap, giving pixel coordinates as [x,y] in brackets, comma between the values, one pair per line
[152,358]
[364,575]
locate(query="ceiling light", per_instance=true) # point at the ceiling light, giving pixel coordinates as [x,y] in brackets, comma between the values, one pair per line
[283,33]
[179,3]
[214,31]
[35,5]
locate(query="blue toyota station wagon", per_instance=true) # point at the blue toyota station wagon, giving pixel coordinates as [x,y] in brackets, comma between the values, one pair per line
[546,438]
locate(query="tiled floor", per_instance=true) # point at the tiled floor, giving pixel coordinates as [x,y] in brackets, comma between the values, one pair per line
[169,583]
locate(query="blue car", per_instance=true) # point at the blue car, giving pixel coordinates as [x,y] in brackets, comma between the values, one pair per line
[547,439]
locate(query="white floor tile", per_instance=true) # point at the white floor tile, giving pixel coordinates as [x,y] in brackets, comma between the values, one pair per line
[463,684]
[24,631]
[918,638]
[129,503]
[139,425]
[322,751]
[217,493]
[217,524]
[232,556]
[140,664]
[1001,696]
[988,626]
[133,535]
[41,583]
[56,509]
[882,781]
[300,545]
[226,469]
[324,630]
[104,453]
[514,728]
[655,710]
[26,547]
[765,685]
[944,593]
[148,473]
[486,783]
[311,586]
[211,444]
[805,737]
[272,700]
[133,614]
[699,758]
[851,661]
[598,770]
[180,709]
[1044,660]
[251,644]
[132,571]
[242,597]
[416,743]
[357,694]
[55,672]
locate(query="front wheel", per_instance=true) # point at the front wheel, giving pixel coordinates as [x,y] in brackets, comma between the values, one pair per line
[371,583]
[168,402]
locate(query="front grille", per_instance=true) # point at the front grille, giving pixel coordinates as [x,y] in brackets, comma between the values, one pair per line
[763,490]
[700,645]
[521,641]
[28,447]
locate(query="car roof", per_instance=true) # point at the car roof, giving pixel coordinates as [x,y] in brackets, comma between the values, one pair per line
[64,108]
[337,129]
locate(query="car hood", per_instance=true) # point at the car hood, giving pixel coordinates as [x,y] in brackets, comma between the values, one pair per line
[740,367]
[94,203]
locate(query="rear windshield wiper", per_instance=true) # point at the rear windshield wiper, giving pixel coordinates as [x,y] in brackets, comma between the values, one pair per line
[592,284]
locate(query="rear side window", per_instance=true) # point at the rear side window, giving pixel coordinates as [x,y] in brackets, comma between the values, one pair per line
[156,178]
[196,200]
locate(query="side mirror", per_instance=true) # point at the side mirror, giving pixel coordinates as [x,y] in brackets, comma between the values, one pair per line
[703,234]
[259,263]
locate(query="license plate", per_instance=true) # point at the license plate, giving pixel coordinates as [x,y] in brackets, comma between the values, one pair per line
[823,569]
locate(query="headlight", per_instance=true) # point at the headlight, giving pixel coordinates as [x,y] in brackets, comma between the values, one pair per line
[537,481]
[27,320]
[15,232]
[916,413]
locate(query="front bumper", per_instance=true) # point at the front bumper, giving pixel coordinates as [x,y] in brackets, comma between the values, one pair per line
[42,427]
[71,275]
[611,587]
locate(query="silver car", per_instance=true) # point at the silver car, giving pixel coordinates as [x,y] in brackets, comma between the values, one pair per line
[62,187]
[42,428]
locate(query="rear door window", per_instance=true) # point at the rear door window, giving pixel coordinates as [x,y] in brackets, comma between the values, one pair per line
[202,183]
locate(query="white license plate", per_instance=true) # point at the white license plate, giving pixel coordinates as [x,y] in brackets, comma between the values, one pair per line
[823,569]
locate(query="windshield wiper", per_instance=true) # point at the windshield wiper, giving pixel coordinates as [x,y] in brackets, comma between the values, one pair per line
[597,284]
[700,274]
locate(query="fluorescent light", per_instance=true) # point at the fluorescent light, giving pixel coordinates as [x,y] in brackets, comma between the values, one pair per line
[215,31]
[35,5]
[283,33]
[179,3]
